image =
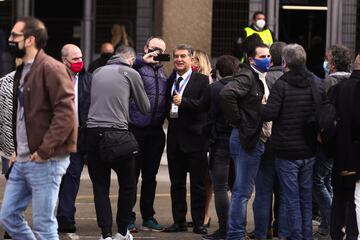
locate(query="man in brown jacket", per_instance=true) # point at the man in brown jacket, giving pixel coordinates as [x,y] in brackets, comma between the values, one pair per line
[44,129]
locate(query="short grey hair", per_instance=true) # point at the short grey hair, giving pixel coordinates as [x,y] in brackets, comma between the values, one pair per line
[125,51]
[187,47]
[275,51]
[294,55]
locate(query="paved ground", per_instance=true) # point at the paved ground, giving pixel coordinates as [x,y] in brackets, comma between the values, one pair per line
[86,219]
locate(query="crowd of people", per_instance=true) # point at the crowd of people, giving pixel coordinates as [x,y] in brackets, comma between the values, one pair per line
[260,120]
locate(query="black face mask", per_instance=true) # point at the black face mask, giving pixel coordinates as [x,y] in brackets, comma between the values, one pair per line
[106,55]
[14,49]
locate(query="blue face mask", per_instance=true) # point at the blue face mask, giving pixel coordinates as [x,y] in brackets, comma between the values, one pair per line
[326,67]
[262,64]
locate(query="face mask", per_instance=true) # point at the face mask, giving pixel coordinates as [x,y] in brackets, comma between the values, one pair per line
[326,67]
[106,55]
[195,68]
[260,23]
[15,51]
[262,64]
[76,67]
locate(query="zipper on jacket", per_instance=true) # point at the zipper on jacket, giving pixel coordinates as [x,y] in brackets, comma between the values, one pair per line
[156,102]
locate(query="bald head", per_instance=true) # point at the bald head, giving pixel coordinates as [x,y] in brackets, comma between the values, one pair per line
[107,48]
[69,49]
[71,55]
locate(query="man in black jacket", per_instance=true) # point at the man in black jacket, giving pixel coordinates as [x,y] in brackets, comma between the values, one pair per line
[107,50]
[241,102]
[185,140]
[289,106]
[346,168]
[72,58]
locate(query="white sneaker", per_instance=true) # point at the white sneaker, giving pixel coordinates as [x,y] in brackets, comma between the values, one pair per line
[108,238]
[128,236]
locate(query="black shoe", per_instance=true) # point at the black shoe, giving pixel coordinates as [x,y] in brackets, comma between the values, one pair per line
[269,234]
[250,235]
[66,226]
[207,225]
[176,228]
[7,236]
[217,235]
[200,230]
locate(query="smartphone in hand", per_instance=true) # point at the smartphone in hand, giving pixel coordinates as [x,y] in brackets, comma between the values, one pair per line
[164,57]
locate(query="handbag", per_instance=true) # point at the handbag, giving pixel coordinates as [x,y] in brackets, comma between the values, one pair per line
[117,145]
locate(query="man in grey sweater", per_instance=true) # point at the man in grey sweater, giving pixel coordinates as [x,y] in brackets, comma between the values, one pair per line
[112,87]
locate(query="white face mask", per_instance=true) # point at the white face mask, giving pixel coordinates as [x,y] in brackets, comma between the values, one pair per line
[260,23]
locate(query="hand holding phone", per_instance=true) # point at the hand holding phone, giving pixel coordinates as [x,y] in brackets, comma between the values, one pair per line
[163,57]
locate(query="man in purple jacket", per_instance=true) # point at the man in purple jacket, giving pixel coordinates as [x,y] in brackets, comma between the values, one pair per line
[148,130]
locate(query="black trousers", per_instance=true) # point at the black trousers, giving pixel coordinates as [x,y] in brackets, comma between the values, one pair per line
[151,142]
[100,174]
[219,167]
[343,214]
[69,188]
[179,164]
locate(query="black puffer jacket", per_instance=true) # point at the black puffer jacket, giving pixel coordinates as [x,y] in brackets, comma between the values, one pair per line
[289,106]
[241,104]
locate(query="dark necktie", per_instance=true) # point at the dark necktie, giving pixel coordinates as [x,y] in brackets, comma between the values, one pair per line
[177,84]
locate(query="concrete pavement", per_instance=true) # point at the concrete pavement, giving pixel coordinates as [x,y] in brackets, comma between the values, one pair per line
[86,219]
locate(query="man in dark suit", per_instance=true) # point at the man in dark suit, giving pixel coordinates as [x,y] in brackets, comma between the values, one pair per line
[185,140]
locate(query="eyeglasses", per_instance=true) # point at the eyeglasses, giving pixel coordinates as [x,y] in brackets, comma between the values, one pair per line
[15,35]
[156,49]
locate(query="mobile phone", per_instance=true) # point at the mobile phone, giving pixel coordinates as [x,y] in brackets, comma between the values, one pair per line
[162,57]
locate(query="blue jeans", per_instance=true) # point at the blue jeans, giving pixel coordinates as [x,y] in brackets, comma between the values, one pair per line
[246,168]
[69,188]
[37,183]
[263,198]
[262,206]
[322,190]
[295,178]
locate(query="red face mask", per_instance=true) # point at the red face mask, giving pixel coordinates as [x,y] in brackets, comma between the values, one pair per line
[195,68]
[76,67]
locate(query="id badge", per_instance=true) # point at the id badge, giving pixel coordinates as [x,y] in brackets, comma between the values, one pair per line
[174,112]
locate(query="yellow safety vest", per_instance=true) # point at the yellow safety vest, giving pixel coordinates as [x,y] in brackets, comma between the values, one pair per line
[265,35]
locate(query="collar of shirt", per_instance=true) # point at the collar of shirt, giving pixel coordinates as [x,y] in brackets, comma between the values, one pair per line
[29,64]
[261,74]
[185,75]
[262,79]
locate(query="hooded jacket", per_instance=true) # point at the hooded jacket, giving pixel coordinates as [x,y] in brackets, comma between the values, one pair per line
[289,106]
[111,90]
[335,78]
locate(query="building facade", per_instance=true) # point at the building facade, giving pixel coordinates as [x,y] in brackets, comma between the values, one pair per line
[211,25]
